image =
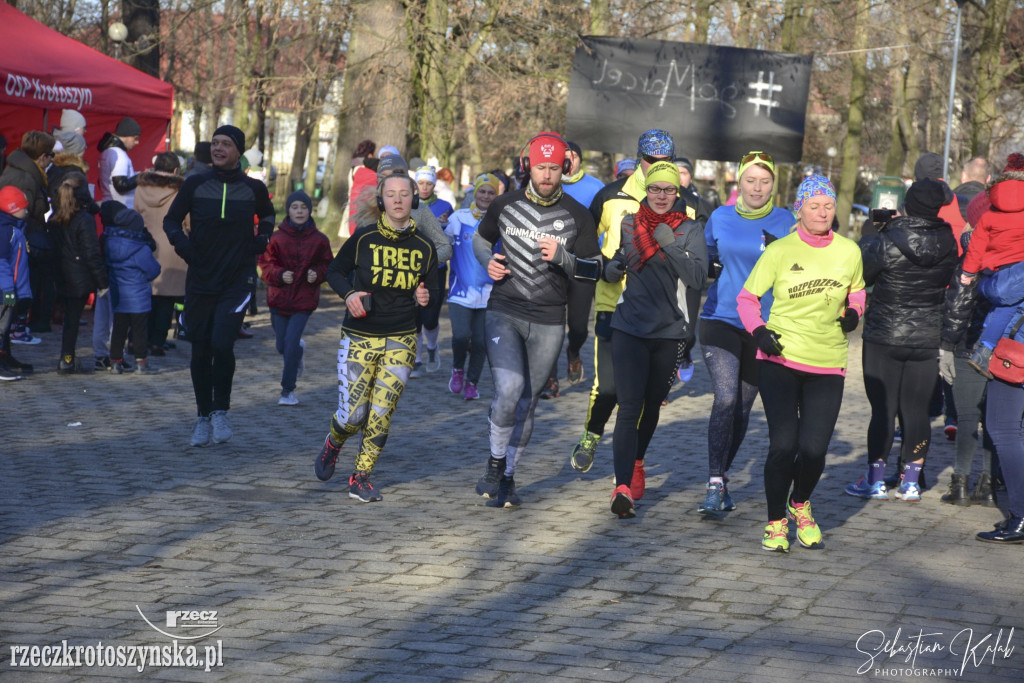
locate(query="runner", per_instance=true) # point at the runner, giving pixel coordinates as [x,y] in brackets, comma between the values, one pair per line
[736,237]
[542,231]
[818,281]
[384,272]
[665,257]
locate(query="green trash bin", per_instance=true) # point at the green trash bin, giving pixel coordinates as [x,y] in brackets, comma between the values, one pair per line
[888,193]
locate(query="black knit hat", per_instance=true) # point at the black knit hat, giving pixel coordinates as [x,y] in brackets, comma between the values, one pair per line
[236,135]
[109,211]
[299,196]
[929,165]
[925,198]
[128,128]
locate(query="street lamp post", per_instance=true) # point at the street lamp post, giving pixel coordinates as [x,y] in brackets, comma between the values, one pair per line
[832,153]
[117,32]
[952,86]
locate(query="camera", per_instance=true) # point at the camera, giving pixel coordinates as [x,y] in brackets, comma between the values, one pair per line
[882,215]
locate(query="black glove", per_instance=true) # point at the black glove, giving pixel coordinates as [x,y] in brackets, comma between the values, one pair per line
[714,269]
[663,235]
[615,267]
[768,237]
[849,320]
[768,341]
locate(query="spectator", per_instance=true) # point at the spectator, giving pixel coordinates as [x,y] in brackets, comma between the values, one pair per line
[14,281]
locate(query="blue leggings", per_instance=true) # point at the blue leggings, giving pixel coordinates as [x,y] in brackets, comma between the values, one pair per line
[288,332]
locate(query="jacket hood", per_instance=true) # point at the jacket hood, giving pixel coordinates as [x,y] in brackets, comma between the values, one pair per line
[1007,194]
[8,219]
[161,179]
[924,242]
[19,160]
[66,160]
[110,140]
[131,237]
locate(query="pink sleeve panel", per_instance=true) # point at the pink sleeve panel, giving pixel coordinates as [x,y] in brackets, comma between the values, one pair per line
[858,300]
[748,305]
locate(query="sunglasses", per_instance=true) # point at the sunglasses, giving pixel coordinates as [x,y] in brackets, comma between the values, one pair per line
[753,157]
[649,159]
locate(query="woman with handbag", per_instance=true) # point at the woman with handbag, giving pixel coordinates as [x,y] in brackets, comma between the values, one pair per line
[909,262]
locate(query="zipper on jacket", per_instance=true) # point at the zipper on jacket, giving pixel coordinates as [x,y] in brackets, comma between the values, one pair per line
[223,200]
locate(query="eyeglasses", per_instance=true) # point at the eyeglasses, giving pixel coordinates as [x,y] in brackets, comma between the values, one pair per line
[670,190]
[649,159]
[753,157]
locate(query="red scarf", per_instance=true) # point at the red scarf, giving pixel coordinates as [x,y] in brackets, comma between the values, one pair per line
[643,231]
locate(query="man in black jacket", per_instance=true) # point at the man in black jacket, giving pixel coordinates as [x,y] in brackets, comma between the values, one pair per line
[219,250]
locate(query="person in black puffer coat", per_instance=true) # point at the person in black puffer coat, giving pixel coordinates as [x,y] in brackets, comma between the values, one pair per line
[909,263]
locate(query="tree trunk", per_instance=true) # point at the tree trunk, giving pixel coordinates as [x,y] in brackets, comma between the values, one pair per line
[476,157]
[377,91]
[855,122]
[142,17]
[991,73]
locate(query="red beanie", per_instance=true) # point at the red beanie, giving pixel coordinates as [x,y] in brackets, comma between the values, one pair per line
[12,200]
[547,147]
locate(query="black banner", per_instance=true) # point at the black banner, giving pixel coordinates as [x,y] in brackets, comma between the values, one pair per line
[718,102]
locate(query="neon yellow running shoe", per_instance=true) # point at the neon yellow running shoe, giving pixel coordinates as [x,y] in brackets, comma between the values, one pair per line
[807,531]
[776,536]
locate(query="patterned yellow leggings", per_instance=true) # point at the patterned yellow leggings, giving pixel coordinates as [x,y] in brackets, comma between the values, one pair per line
[372,372]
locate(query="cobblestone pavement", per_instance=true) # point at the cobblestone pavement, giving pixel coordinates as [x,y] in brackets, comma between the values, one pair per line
[106,515]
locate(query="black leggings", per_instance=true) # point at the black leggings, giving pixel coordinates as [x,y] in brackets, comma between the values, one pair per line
[211,323]
[139,323]
[899,379]
[801,409]
[643,372]
[73,307]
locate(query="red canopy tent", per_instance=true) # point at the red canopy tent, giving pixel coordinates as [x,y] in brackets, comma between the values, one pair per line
[44,72]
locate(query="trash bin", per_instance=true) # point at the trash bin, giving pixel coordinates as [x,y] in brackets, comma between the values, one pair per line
[888,193]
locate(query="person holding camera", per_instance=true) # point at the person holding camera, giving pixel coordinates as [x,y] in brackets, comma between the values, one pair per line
[547,237]
[910,263]
[665,257]
[817,280]
[385,272]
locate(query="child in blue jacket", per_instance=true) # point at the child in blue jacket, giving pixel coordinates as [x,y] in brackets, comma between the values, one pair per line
[128,250]
[14,283]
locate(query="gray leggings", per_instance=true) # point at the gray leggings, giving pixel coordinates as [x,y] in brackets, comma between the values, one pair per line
[520,354]
[729,354]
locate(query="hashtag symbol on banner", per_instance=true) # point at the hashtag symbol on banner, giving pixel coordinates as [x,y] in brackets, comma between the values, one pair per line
[763,93]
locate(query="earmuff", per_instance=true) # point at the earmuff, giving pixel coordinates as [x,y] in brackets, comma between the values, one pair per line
[415,192]
[524,158]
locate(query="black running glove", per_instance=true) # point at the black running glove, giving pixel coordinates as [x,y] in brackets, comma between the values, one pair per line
[849,320]
[768,341]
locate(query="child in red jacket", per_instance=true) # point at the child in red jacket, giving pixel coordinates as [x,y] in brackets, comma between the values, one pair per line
[996,242]
[293,266]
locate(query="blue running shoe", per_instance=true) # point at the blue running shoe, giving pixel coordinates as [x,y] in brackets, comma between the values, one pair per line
[727,504]
[868,491]
[909,491]
[712,499]
[685,372]
[507,496]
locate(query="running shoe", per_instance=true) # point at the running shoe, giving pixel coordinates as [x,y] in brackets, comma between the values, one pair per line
[950,432]
[507,496]
[7,375]
[807,531]
[776,536]
[24,337]
[103,363]
[488,484]
[323,466]
[433,361]
[144,367]
[909,491]
[868,491]
[727,504]
[582,458]
[622,502]
[685,372]
[550,389]
[638,484]
[575,374]
[360,488]
[120,367]
[457,382]
[288,399]
[471,393]
[15,365]
[202,432]
[712,499]
[221,426]
[417,370]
